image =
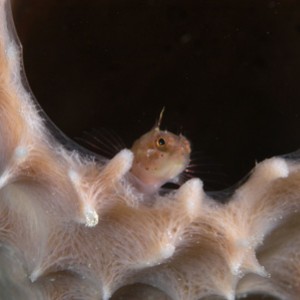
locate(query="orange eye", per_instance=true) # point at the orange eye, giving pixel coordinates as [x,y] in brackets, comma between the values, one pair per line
[160,142]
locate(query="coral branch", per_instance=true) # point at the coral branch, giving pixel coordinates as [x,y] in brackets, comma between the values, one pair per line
[75,228]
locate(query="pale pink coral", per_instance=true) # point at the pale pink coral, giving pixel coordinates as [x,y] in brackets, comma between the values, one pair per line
[72,228]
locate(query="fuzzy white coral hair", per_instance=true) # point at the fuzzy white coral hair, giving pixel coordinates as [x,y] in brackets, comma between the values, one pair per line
[74,228]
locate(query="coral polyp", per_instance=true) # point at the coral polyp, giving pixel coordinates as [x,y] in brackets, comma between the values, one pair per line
[73,227]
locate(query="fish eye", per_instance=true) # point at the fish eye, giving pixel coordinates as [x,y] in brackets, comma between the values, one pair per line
[160,142]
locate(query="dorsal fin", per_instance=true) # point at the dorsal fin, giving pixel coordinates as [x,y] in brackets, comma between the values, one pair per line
[104,142]
[158,122]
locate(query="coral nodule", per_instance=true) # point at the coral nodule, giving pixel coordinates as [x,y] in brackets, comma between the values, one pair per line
[74,228]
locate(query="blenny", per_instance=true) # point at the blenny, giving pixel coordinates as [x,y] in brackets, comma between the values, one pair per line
[160,157]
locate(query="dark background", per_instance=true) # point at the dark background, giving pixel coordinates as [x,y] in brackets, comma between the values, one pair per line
[227,72]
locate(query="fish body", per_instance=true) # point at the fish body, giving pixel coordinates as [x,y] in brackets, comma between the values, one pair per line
[159,157]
